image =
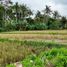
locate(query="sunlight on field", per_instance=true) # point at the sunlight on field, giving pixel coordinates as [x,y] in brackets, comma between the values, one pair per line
[49,35]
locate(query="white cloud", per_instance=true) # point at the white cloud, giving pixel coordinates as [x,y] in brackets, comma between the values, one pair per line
[64,2]
[40,5]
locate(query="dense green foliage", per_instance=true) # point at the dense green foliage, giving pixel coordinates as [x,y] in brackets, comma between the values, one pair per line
[11,65]
[54,57]
[18,17]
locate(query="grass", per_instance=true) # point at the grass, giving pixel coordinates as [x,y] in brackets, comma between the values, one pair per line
[51,58]
[61,32]
[58,36]
[14,50]
[17,45]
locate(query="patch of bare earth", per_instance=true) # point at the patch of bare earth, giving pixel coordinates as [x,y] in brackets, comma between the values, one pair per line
[18,64]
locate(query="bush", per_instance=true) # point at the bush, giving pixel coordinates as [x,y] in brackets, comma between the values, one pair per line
[22,25]
[2,29]
[10,26]
[40,26]
[33,61]
[11,65]
[54,25]
[54,57]
[58,57]
[13,25]
[37,26]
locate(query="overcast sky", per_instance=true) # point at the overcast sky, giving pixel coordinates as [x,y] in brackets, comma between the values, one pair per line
[60,5]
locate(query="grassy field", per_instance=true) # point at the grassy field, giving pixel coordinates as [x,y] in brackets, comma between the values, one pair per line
[59,36]
[25,46]
[38,32]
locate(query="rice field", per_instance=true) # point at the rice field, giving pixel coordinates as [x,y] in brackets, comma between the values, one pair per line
[59,36]
[18,46]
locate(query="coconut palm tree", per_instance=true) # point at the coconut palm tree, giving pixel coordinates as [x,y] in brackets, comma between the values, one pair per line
[47,12]
[38,16]
[56,15]
[15,10]
[25,11]
[30,12]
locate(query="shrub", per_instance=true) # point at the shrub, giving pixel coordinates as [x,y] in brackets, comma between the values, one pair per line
[40,26]
[37,26]
[54,25]
[10,65]
[2,29]
[22,25]
[54,57]
[33,61]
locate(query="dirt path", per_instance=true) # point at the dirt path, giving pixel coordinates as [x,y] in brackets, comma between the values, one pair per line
[18,64]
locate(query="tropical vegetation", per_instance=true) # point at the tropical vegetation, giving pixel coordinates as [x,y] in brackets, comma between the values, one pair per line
[21,17]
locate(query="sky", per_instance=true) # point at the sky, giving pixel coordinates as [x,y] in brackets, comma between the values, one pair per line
[59,5]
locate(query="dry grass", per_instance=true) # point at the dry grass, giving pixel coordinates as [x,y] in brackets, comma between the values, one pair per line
[54,35]
[34,36]
[13,51]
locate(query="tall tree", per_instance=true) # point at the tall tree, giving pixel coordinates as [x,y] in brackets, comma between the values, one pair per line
[1,15]
[16,11]
[6,4]
[25,11]
[38,16]
[47,12]
[21,11]
[29,12]
[56,15]
[63,22]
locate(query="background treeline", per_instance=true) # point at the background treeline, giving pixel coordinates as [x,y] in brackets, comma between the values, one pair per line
[19,17]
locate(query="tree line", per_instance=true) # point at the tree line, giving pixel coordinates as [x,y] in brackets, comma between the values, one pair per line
[18,17]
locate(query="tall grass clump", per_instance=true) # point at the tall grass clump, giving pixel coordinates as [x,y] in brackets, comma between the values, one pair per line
[14,50]
[51,58]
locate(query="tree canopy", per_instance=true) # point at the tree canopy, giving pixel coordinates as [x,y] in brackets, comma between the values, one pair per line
[18,17]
